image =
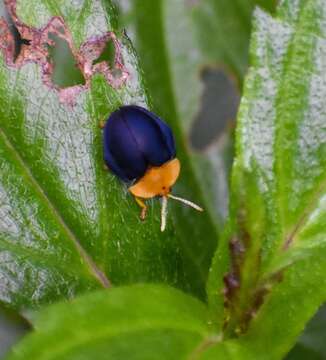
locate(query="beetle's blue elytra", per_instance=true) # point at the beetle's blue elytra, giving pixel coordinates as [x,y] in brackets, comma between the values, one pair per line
[139,149]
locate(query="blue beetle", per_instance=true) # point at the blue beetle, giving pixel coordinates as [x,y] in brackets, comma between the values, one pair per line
[139,149]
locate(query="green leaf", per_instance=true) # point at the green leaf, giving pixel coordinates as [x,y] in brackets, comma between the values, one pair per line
[274,271]
[66,225]
[136,322]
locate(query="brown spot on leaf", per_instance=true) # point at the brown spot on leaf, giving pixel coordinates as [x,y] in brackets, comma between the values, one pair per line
[232,278]
[238,314]
[232,283]
[35,49]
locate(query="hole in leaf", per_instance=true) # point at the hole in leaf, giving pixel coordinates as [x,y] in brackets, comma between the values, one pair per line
[107,54]
[65,73]
[61,30]
[219,106]
[116,73]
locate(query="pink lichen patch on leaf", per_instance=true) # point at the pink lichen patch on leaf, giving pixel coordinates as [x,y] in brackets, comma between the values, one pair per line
[37,51]
[192,3]
[7,42]
[69,94]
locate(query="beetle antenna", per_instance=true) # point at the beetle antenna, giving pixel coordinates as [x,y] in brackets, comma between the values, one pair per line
[187,202]
[164,212]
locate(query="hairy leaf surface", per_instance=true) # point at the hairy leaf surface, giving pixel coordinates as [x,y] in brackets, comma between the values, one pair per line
[273,274]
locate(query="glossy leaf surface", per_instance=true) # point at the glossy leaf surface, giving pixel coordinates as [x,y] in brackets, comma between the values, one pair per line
[276,233]
[66,224]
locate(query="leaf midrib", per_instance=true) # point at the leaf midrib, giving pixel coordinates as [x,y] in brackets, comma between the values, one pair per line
[38,255]
[307,211]
[93,269]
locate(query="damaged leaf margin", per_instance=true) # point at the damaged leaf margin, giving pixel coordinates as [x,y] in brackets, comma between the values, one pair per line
[69,225]
[35,49]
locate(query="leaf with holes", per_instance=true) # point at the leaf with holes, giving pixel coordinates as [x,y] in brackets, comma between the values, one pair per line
[271,264]
[66,224]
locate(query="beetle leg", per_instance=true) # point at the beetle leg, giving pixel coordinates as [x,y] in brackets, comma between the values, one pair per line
[143,208]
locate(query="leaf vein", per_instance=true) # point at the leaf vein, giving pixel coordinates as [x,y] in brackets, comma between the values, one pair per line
[95,271]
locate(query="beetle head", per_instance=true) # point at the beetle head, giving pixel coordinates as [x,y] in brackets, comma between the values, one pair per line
[157,181]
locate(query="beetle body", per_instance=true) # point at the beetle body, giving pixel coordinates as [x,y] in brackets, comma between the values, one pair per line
[139,148]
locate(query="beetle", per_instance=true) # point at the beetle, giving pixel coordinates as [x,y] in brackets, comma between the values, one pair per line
[139,148]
